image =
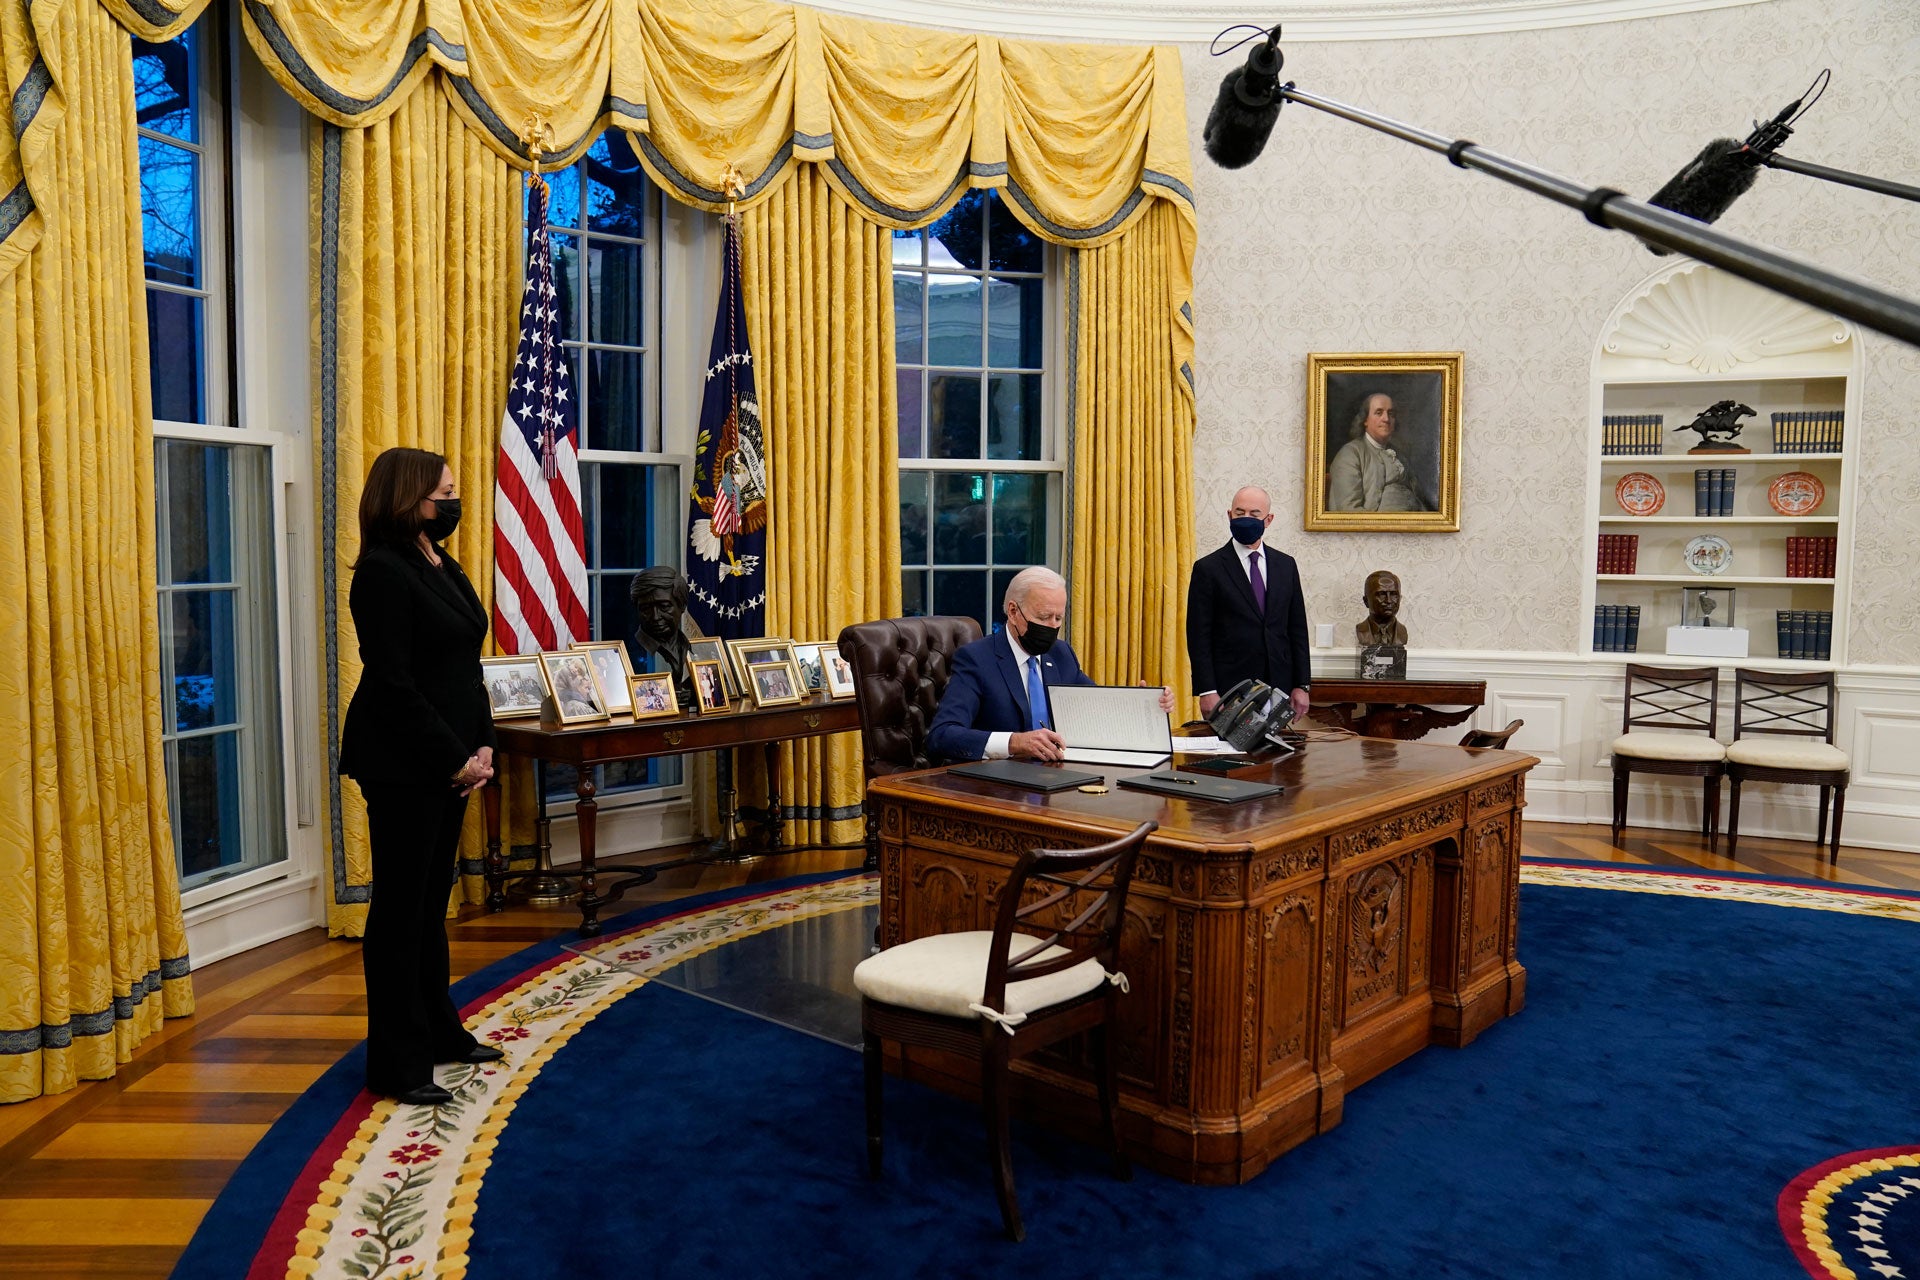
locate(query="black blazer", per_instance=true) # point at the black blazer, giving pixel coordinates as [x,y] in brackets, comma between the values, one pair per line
[421,709]
[1227,641]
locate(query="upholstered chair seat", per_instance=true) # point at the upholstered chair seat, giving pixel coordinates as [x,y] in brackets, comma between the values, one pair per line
[947,974]
[1788,755]
[1668,746]
[1668,723]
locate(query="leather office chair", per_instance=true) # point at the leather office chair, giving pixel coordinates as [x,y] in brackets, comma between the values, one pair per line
[900,669]
[1682,698]
[1497,738]
[1772,709]
[1048,969]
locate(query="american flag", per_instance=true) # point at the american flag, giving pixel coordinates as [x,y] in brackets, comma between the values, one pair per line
[539,571]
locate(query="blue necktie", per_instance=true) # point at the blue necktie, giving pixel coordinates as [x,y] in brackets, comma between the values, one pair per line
[1036,697]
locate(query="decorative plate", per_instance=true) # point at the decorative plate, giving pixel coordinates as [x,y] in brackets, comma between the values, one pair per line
[1709,554]
[1797,493]
[1639,494]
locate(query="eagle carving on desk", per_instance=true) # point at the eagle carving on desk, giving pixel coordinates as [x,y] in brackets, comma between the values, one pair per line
[1373,920]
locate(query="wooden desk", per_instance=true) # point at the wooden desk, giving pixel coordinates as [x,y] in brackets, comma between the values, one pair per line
[1279,952]
[624,738]
[1395,708]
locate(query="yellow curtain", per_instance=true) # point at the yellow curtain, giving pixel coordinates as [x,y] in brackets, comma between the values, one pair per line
[92,944]
[416,276]
[818,282]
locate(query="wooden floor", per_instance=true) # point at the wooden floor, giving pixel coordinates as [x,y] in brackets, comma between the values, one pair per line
[110,1179]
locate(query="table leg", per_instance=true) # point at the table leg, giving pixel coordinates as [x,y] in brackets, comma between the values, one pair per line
[585,808]
[496,865]
[775,823]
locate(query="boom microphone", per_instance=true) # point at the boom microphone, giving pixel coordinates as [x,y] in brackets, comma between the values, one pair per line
[1724,170]
[1248,104]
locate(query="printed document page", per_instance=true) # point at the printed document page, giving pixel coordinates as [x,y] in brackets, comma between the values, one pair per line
[1111,724]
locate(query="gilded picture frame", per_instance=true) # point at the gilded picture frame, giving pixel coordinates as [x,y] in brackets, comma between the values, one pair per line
[709,649]
[611,668]
[515,684]
[836,671]
[577,696]
[710,684]
[1383,442]
[651,695]
[776,684]
[759,649]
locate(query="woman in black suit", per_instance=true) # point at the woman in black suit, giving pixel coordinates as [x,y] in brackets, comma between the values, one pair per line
[418,740]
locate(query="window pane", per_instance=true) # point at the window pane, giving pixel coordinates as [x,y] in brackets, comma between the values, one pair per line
[613,612]
[913,517]
[198,507]
[1014,417]
[164,76]
[617,274]
[208,819]
[913,593]
[912,413]
[1011,247]
[170,212]
[906,248]
[954,321]
[175,369]
[616,400]
[616,188]
[907,302]
[997,599]
[961,594]
[203,660]
[1014,320]
[566,285]
[954,241]
[953,415]
[563,199]
[959,519]
[623,520]
[1019,519]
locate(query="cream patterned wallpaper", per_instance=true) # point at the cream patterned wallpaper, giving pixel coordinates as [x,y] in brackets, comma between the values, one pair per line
[1342,239]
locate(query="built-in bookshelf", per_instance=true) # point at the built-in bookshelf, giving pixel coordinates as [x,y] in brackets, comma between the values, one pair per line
[1688,338]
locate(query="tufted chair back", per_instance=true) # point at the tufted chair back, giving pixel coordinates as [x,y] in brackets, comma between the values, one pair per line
[900,669]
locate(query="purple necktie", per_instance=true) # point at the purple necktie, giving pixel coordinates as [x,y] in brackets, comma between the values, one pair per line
[1259,583]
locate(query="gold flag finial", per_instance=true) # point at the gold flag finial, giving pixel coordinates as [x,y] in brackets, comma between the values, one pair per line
[734,184]
[537,136]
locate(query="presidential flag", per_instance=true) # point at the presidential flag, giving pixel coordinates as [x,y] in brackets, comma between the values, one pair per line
[540,573]
[727,513]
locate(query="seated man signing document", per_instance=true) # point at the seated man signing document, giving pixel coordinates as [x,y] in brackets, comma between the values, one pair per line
[995,705]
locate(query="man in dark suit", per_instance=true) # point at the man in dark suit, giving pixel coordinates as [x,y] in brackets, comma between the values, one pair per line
[1246,616]
[995,704]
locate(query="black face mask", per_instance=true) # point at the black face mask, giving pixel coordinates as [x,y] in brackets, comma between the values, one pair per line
[446,518]
[1038,637]
[1247,530]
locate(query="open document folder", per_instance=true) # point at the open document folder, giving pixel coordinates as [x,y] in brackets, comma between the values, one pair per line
[1111,724]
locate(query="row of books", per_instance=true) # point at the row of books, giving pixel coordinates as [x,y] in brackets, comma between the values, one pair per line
[1632,433]
[1816,431]
[1619,552]
[1805,633]
[1713,491]
[1616,628]
[1812,557]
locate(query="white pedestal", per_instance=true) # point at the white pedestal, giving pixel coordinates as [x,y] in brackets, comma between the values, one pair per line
[1707,642]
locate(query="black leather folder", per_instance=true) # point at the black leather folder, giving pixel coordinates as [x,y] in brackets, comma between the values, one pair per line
[1187,786]
[1028,777]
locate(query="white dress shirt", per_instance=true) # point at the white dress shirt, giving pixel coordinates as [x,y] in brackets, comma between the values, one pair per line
[997,742]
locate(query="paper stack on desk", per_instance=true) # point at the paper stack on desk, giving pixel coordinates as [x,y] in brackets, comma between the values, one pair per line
[1111,724]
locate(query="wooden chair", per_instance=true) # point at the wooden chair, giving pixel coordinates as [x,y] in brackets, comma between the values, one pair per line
[1496,738]
[1681,698]
[1770,705]
[1047,969]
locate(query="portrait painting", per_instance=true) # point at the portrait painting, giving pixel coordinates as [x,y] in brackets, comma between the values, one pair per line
[775,683]
[652,695]
[576,690]
[515,685]
[836,672]
[1383,442]
[709,684]
[610,668]
[806,657]
[713,650]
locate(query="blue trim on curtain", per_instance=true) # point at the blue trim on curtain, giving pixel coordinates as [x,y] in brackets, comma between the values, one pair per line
[506,137]
[27,99]
[59,1035]
[692,190]
[156,13]
[875,205]
[1053,228]
[299,68]
[1154,178]
[14,208]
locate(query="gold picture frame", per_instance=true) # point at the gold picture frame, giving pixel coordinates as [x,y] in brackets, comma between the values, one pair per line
[1408,482]
[806,657]
[651,695]
[836,672]
[577,696]
[515,683]
[711,649]
[709,684]
[611,668]
[776,684]
[759,649]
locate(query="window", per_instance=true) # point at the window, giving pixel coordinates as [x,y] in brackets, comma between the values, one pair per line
[601,212]
[980,475]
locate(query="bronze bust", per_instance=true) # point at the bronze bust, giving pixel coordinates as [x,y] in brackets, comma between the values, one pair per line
[1382,598]
[659,597]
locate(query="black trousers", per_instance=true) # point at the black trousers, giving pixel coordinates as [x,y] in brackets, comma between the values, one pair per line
[411,1021]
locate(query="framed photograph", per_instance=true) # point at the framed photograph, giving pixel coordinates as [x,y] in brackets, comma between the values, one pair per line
[709,684]
[806,657]
[515,685]
[747,653]
[652,695]
[577,696]
[775,684]
[1383,442]
[836,671]
[708,650]
[610,668]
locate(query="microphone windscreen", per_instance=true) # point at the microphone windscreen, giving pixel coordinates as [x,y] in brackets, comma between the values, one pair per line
[1710,183]
[1236,132]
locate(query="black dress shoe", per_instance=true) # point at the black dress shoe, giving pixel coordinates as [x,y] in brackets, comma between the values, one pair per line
[478,1054]
[421,1095]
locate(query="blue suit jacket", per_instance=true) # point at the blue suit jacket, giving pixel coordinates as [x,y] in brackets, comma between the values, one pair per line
[985,695]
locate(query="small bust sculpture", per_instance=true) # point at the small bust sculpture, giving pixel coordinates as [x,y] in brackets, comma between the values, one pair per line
[1382,598]
[659,597]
